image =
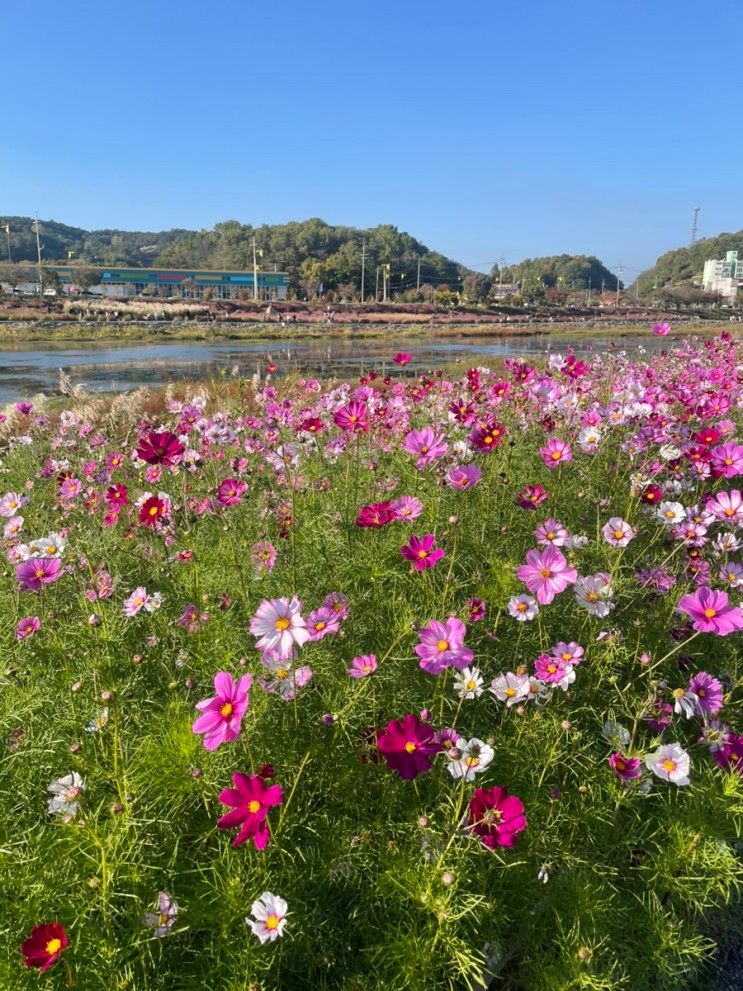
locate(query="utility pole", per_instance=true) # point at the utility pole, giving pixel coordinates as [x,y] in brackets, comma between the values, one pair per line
[588,298]
[694,227]
[418,280]
[385,281]
[10,254]
[363,268]
[38,253]
[619,281]
[255,272]
[376,287]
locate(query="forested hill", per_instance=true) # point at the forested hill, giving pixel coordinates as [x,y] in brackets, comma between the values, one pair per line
[686,264]
[310,251]
[560,271]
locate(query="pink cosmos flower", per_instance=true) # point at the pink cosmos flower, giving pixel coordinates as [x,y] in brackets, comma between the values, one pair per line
[727,506]
[421,552]
[70,489]
[727,460]
[10,503]
[487,435]
[555,452]
[37,572]
[476,609]
[551,532]
[27,627]
[222,714]
[353,417]
[363,666]
[279,626]
[230,491]
[618,532]
[709,693]
[463,476]
[625,767]
[568,653]
[135,602]
[322,622]
[531,496]
[496,817]
[710,612]
[263,558]
[339,604]
[546,574]
[402,358]
[730,755]
[407,746]
[550,669]
[661,329]
[407,508]
[441,645]
[251,801]
[426,445]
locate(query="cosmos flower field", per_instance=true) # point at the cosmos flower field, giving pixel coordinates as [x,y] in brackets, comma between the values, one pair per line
[401,683]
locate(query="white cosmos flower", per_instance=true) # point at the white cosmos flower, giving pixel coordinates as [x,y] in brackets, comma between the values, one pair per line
[474,757]
[510,688]
[671,513]
[468,683]
[670,762]
[65,793]
[269,917]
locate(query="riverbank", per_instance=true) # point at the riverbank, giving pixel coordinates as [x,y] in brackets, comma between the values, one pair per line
[12,332]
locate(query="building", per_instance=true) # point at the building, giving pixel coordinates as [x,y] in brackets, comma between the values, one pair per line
[502,290]
[723,276]
[166,283]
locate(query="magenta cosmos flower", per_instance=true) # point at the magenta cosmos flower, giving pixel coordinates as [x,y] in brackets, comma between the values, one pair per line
[279,626]
[624,767]
[38,571]
[710,612]
[487,435]
[441,645]
[353,417]
[376,514]
[661,329]
[531,496]
[402,358]
[709,693]
[231,491]
[421,552]
[222,715]
[727,460]
[730,755]
[408,745]
[161,448]
[555,452]
[463,476]
[250,801]
[546,574]
[496,817]
[27,627]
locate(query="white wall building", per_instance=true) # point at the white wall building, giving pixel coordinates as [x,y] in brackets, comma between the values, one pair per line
[723,276]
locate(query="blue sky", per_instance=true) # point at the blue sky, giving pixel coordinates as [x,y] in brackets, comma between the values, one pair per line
[485,129]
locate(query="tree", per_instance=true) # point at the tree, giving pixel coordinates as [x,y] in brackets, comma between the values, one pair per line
[14,274]
[85,278]
[476,287]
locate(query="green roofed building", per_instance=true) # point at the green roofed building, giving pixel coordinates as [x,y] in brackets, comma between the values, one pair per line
[165,283]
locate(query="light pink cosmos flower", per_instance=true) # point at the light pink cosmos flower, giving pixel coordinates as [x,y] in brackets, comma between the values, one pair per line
[407,507]
[661,329]
[363,666]
[222,714]
[618,532]
[269,917]
[463,476]
[427,445]
[727,506]
[279,626]
[135,602]
[522,607]
[510,688]
[546,574]
[551,532]
[323,622]
[284,678]
[671,763]
[727,460]
[441,645]
[556,452]
[710,612]
[10,503]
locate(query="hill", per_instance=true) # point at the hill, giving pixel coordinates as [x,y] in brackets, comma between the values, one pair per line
[311,251]
[566,272]
[685,265]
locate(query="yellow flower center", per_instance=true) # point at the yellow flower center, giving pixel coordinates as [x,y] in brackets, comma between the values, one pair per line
[510,692]
[442,645]
[521,607]
[282,624]
[669,765]
[545,572]
[163,919]
[320,626]
[272,921]
[254,806]
[555,455]
[410,747]
[422,554]
[618,534]
[226,709]
[53,946]
[710,613]
[282,673]
[153,510]
[471,685]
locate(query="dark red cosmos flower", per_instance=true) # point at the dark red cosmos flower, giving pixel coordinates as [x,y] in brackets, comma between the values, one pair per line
[313,425]
[408,745]
[251,801]
[376,514]
[709,436]
[161,448]
[496,817]
[652,495]
[44,945]
[531,496]
[487,435]
[152,510]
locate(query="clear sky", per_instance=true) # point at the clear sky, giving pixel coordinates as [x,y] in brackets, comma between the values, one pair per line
[485,129]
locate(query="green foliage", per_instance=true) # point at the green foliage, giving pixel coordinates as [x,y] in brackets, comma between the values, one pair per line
[565,272]
[685,265]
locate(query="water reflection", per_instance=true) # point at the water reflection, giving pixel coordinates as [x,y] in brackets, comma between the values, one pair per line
[108,366]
